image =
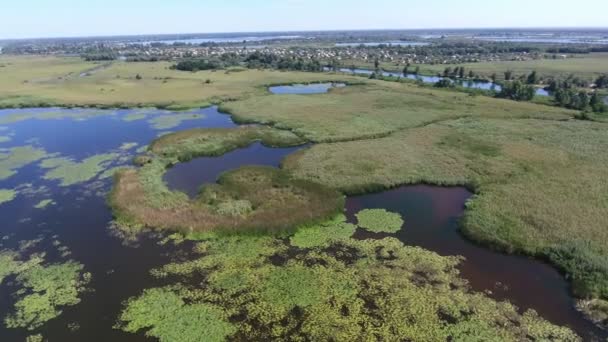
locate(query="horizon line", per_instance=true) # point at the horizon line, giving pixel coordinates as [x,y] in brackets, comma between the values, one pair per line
[312,31]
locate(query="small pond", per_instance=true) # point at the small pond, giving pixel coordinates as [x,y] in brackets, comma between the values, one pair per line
[313,88]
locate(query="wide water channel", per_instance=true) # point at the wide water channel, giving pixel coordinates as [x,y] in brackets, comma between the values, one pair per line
[80,218]
[434,79]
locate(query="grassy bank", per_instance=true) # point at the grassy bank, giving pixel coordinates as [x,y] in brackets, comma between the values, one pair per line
[49,81]
[376,110]
[247,199]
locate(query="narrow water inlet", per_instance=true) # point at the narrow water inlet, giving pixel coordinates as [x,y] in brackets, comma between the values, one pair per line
[431,216]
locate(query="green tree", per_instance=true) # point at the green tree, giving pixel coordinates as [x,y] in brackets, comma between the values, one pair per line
[532,78]
[461,72]
[447,72]
[508,75]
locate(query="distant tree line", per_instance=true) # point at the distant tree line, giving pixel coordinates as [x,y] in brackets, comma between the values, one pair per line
[258,60]
[99,57]
[198,65]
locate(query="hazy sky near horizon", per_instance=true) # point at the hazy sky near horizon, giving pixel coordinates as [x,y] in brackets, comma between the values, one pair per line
[66,18]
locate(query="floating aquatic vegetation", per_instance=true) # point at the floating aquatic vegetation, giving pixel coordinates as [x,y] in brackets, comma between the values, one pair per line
[52,114]
[324,234]
[7,195]
[70,172]
[47,289]
[168,121]
[379,221]
[44,203]
[169,318]
[44,290]
[4,139]
[17,157]
[34,338]
[345,290]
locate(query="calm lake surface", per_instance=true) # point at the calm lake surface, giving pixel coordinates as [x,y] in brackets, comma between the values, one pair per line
[80,218]
[391,43]
[314,88]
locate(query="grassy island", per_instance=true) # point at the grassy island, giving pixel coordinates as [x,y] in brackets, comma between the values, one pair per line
[249,198]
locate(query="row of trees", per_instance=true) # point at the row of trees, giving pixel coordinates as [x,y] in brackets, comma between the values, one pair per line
[457,72]
[517,90]
[198,65]
[580,100]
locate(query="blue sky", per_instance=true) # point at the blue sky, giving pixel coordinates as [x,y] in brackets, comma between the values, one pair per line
[52,18]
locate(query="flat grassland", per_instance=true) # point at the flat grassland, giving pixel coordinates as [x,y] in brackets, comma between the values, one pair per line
[377,109]
[584,66]
[35,81]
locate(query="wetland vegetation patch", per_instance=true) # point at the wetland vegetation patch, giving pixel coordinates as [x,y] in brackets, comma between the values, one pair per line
[7,195]
[341,288]
[43,289]
[70,172]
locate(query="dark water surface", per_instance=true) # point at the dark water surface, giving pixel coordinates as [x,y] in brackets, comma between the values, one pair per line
[80,218]
[431,217]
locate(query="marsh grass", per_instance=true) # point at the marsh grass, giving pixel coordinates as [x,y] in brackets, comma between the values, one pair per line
[376,110]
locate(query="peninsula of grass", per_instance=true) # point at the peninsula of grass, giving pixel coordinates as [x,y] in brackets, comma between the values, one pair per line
[246,199]
[540,185]
[263,288]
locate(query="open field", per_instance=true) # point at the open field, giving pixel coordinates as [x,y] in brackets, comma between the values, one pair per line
[584,66]
[377,109]
[35,81]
